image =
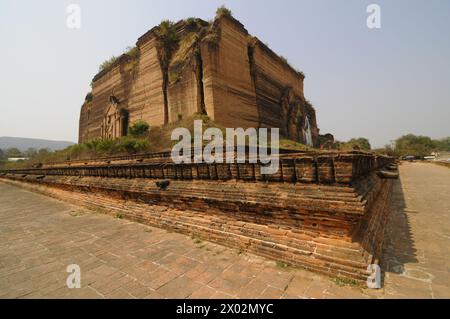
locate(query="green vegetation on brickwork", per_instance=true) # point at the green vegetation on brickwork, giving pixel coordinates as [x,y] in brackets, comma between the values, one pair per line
[223,11]
[139,128]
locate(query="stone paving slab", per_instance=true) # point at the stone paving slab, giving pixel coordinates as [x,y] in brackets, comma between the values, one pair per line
[40,237]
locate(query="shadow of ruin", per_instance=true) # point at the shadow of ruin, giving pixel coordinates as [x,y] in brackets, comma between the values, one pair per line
[398,248]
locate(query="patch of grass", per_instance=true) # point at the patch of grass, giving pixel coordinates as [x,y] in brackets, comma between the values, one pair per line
[76,213]
[96,210]
[196,239]
[132,52]
[282,264]
[119,216]
[293,145]
[107,63]
[341,282]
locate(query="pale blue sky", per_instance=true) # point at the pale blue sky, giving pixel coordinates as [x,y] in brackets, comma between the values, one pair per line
[374,83]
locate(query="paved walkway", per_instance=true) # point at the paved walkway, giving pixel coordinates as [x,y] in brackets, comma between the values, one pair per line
[40,237]
[417,247]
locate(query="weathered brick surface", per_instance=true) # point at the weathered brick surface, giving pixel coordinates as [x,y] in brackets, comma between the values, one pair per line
[335,229]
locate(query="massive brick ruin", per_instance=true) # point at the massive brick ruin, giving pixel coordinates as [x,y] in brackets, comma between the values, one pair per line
[213,68]
[322,211]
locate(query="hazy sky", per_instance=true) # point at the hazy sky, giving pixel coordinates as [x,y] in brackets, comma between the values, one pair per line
[377,83]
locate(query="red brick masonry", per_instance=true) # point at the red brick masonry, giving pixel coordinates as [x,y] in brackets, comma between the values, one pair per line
[325,212]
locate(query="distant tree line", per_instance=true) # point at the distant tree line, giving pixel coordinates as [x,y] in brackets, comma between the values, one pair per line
[416,145]
[407,145]
[360,143]
[15,152]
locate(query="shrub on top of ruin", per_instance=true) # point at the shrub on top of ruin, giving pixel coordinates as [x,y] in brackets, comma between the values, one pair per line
[223,11]
[167,32]
[191,22]
[139,128]
[168,39]
[132,52]
[107,64]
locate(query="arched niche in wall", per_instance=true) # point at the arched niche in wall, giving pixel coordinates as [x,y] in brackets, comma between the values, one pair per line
[115,121]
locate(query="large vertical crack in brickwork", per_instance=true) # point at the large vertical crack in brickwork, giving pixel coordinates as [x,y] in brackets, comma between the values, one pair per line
[166,101]
[200,86]
[252,65]
[164,64]
[168,42]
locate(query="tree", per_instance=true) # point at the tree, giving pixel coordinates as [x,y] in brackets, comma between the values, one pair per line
[30,152]
[442,144]
[13,152]
[43,152]
[414,145]
[361,142]
[223,11]
[386,150]
[2,155]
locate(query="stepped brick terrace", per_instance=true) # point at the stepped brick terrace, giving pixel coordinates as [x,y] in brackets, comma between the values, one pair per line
[323,211]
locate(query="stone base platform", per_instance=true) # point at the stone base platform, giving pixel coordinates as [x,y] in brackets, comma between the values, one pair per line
[324,226]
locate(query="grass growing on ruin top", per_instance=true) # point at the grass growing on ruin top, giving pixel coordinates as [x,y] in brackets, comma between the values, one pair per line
[223,11]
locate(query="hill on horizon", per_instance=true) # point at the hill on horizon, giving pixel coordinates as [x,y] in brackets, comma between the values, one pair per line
[23,143]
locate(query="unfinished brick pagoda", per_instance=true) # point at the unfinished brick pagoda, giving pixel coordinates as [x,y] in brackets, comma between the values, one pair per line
[194,66]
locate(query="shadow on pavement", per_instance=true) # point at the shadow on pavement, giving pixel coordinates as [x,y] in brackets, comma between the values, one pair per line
[398,247]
